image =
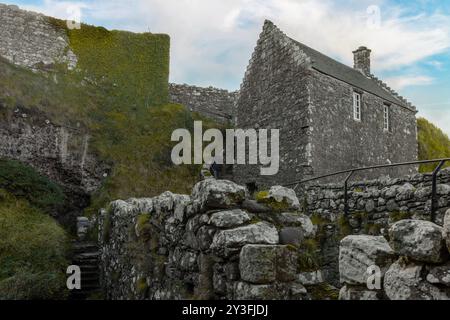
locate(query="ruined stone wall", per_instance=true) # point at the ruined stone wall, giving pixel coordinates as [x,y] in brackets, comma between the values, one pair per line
[338,142]
[60,153]
[221,243]
[213,103]
[215,244]
[411,263]
[374,206]
[274,95]
[27,39]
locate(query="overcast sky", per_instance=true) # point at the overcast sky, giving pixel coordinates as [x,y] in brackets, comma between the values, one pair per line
[212,40]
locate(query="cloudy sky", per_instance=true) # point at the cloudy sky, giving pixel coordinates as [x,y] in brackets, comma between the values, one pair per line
[212,40]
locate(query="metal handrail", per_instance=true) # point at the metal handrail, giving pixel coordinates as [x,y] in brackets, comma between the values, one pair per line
[350,173]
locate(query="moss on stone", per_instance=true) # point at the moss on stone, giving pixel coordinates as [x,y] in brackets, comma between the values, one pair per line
[323,291]
[143,226]
[263,197]
[309,257]
[107,225]
[141,286]
[343,226]
[397,216]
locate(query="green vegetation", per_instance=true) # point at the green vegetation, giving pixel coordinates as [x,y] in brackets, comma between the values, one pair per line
[344,226]
[323,291]
[433,144]
[119,94]
[263,197]
[24,182]
[33,250]
[309,257]
[397,216]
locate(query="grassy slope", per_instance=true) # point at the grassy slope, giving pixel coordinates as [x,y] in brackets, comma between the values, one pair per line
[33,249]
[119,92]
[433,143]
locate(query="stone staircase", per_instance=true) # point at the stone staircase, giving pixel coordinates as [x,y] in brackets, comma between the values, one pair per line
[86,255]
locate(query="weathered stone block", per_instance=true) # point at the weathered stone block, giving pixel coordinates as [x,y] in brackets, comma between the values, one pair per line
[358,253]
[418,239]
[359,293]
[218,194]
[404,282]
[440,275]
[258,233]
[262,264]
[446,229]
[229,219]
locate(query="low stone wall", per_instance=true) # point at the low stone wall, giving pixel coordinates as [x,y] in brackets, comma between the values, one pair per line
[412,263]
[215,244]
[374,206]
[380,201]
[217,104]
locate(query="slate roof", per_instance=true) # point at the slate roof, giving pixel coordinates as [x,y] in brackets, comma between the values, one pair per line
[340,71]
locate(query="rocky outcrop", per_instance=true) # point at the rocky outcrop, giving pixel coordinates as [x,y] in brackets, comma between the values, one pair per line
[421,273]
[204,246]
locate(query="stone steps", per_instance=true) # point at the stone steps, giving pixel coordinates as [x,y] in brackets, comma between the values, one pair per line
[86,256]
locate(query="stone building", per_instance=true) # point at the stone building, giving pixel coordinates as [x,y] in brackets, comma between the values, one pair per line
[331,117]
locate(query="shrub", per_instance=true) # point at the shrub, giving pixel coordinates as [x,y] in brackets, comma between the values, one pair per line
[433,144]
[33,252]
[24,182]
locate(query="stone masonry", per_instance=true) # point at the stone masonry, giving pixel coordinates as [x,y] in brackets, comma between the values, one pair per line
[216,104]
[310,98]
[29,40]
[413,262]
[215,244]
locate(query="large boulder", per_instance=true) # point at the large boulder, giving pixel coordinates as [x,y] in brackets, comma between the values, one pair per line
[359,293]
[218,194]
[261,264]
[258,233]
[229,218]
[280,198]
[418,239]
[403,281]
[359,252]
[446,229]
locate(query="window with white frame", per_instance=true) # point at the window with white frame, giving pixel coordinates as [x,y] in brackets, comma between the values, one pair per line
[357,106]
[386,116]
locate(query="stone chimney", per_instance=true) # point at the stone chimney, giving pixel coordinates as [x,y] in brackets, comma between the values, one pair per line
[362,60]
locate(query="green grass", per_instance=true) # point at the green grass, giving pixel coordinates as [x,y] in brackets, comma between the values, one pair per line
[25,182]
[119,95]
[33,250]
[433,144]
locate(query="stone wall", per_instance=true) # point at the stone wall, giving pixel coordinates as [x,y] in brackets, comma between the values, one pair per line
[411,263]
[215,244]
[60,153]
[29,40]
[213,103]
[374,206]
[338,142]
[274,95]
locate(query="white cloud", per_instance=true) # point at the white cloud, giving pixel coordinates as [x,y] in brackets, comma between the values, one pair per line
[398,83]
[212,40]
